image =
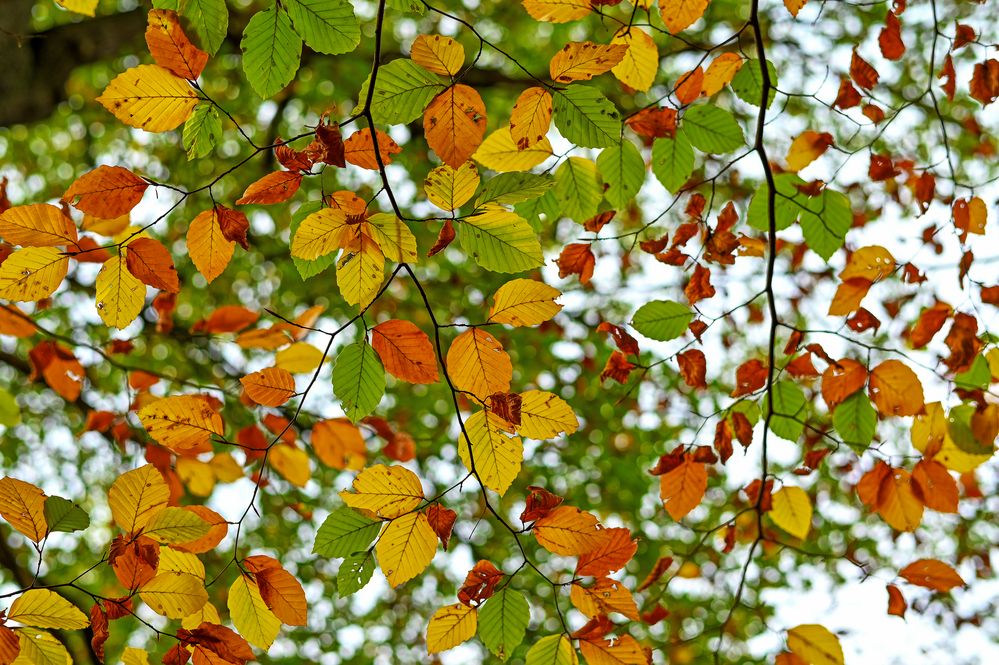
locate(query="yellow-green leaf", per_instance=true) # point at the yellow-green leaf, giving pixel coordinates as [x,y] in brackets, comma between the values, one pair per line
[449,188]
[174,595]
[497,455]
[42,608]
[250,614]
[176,525]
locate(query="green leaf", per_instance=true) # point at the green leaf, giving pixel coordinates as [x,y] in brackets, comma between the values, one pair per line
[503,621]
[501,241]
[587,118]
[64,515]
[788,419]
[514,187]
[208,18]
[963,435]
[748,83]
[358,380]
[662,320]
[412,6]
[824,221]
[345,532]
[623,171]
[673,161]
[403,90]
[327,26]
[202,131]
[552,650]
[978,375]
[855,420]
[712,129]
[10,412]
[271,51]
[307,269]
[577,188]
[354,573]
[787,204]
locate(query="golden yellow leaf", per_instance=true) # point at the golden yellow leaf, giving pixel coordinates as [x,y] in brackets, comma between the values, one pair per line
[815,644]
[478,364]
[208,612]
[872,263]
[450,626]
[898,505]
[683,488]
[271,386]
[524,302]
[43,608]
[557,11]
[806,148]
[23,506]
[250,614]
[338,444]
[531,117]
[497,455]
[182,423]
[197,476]
[85,7]
[38,646]
[360,271]
[120,295]
[180,562]
[545,416]
[299,358]
[105,227]
[406,547]
[720,72]
[438,54]
[929,436]
[499,152]
[581,61]
[678,15]
[135,656]
[895,389]
[384,491]
[794,6]
[32,273]
[174,595]
[207,245]
[640,63]
[37,225]
[604,597]
[792,511]
[319,234]
[848,296]
[449,188]
[136,496]
[149,97]
[292,463]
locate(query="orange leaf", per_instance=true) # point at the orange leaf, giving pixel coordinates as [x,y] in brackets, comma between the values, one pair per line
[622,650]
[890,38]
[720,73]
[270,387]
[274,187]
[152,264]
[934,486]
[848,296]
[206,244]
[895,389]
[842,379]
[683,488]
[359,149]
[171,48]
[576,259]
[281,592]
[604,597]
[569,531]
[688,86]
[531,117]
[929,324]
[581,61]
[931,574]
[862,73]
[454,124]
[339,444]
[897,504]
[613,554]
[106,192]
[896,601]
[405,351]
[227,319]
[478,364]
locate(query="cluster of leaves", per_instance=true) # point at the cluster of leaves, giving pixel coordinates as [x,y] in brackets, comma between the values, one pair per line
[473,415]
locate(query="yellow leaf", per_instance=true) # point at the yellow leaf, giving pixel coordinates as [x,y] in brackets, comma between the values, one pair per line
[208,612]
[815,644]
[292,463]
[438,54]
[478,364]
[581,61]
[182,423]
[149,97]
[23,506]
[32,273]
[360,271]
[872,263]
[929,436]
[848,296]
[569,531]
[792,511]
[339,444]
[105,227]
[557,11]
[454,124]
[385,491]
[394,238]
[720,72]
[553,650]
[524,302]
[207,246]
[85,7]
[449,188]
[271,386]
[545,416]
[299,358]
[180,562]
[226,468]
[531,117]
[250,614]
[42,608]
[37,225]
[499,153]
[136,496]
[120,295]
[319,234]
[40,648]
[174,595]
[806,148]
[678,15]
[497,456]
[604,597]
[640,63]
[406,548]
[450,626]
[134,656]
[898,505]
[197,476]
[176,525]
[895,389]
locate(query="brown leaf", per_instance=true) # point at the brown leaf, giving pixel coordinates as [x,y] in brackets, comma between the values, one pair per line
[442,522]
[480,583]
[890,38]
[862,73]
[693,368]
[576,259]
[985,81]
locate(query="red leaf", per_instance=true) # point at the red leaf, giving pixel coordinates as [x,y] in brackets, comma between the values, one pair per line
[442,522]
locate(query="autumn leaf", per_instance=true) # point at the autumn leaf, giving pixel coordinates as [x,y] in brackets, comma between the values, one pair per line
[932,574]
[682,489]
[405,351]
[455,124]
[149,97]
